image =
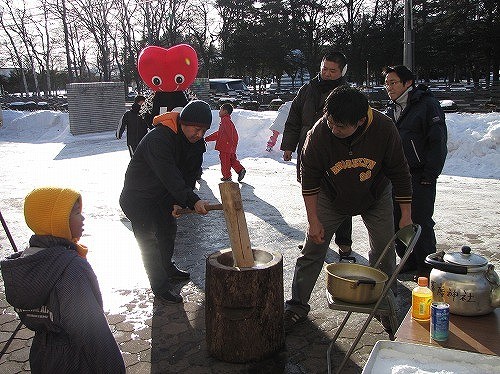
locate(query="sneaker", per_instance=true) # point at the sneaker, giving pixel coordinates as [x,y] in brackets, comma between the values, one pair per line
[225,179]
[170,297]
[241,174]
[176,273]
[344,250]
[290,319]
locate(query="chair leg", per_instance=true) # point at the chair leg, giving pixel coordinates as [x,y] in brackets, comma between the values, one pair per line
[334,339]
[391,302]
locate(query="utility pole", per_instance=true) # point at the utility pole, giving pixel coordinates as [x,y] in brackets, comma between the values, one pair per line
[409,42]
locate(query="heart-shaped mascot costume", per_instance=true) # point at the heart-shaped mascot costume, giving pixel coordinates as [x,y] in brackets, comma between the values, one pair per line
[168,72]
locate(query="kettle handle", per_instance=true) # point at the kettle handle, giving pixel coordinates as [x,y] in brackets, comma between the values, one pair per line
[437,262]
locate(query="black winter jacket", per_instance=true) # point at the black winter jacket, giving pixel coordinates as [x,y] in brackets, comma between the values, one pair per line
[165,165]
[423,133]
[56,294]
[307,108]
[134,124]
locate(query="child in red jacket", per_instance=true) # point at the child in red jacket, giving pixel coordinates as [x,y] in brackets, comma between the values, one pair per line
[226,141]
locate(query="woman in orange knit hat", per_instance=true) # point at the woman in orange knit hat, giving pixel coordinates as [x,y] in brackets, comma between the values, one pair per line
[55,291]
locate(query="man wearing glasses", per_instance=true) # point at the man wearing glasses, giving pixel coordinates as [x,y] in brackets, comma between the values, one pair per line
[352,164]
[306,109]
[421,125]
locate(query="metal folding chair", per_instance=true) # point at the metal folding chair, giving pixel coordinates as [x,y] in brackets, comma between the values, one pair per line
[385,305]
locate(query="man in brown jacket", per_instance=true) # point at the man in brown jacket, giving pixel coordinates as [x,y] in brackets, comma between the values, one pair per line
[352,163]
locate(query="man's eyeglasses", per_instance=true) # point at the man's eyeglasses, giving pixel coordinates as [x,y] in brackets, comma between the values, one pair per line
[330,123]
[391,83]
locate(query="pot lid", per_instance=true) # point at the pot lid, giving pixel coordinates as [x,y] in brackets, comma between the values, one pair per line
[465,258]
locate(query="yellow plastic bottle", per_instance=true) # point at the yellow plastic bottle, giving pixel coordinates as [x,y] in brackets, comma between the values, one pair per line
[421,300]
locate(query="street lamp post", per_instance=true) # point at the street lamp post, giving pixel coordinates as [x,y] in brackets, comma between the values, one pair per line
[409,42]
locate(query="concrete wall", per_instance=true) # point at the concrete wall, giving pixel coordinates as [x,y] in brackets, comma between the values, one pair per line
[95,107]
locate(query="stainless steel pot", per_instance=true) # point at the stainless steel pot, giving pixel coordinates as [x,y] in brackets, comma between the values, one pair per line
[354,283]
[464,280]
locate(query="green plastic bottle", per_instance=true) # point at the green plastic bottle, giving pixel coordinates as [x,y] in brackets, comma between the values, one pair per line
[421,300]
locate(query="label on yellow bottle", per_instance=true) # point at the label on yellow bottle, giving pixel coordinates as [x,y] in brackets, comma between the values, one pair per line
[421,307]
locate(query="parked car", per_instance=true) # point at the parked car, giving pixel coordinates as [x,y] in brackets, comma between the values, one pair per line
[275,104]
[228,86]
[448,106]
[231,100]
[250,105]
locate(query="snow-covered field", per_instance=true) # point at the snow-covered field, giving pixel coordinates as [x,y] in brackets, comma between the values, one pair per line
[36,148]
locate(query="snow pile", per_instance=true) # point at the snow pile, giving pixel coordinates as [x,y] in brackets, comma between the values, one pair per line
[473,141]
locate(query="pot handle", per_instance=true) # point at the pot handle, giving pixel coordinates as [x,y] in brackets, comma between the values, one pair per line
[348,259]
[437,262]
[365,281]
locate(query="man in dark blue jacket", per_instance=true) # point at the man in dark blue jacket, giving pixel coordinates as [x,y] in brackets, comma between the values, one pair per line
[161,174]
[421,124]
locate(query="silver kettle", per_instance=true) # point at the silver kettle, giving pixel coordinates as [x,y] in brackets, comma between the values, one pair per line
[464,280]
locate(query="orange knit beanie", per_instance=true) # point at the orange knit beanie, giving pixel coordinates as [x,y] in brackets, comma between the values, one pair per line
[47,211]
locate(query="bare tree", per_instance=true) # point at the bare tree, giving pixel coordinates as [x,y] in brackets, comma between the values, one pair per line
[165,21]
[314,21]
[97,18]
[59,9]
[42,40]
[129,27]
[202,32]
[21,19]
[8,31]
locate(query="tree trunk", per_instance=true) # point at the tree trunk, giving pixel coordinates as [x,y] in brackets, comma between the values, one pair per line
[244,307]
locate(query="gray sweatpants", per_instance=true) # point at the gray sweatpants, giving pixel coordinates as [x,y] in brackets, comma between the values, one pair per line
[378,219]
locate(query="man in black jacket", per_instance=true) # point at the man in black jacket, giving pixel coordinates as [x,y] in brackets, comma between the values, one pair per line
[161,174]
[421,124]
[306,109]
[135,126]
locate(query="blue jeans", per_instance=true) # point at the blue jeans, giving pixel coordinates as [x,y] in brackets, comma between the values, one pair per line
[379,221]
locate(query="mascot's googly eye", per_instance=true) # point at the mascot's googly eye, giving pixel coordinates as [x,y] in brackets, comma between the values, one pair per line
[179,78]
[156,80]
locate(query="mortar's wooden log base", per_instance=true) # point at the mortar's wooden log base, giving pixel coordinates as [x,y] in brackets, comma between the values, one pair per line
[244,307]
